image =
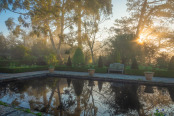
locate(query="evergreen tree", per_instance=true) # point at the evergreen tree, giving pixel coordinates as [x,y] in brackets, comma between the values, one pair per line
[100,62]
[134,64]
[118,58]
[171,64]
[78,58]
[69,61]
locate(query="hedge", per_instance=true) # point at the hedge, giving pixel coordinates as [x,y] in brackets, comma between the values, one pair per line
[84,69]
[5,63]
[157,73]
[22,69]
[80,69]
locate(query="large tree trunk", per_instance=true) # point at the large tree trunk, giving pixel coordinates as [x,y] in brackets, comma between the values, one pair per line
[143,10]
[52,40]
[79,25]
[61,37]
[92,55]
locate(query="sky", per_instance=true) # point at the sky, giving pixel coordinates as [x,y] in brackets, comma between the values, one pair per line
[119,10]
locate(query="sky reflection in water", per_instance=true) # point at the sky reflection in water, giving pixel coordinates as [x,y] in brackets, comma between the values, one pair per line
[61,96]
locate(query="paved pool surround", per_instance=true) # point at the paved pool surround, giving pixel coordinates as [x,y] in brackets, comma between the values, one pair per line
[111,77]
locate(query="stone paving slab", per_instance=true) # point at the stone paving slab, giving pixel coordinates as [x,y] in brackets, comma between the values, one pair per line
[123,77]
[6,77]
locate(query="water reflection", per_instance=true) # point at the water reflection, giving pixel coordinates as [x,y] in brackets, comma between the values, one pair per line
[87,98]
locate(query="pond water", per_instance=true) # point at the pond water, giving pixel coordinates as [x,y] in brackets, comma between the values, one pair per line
[61,96]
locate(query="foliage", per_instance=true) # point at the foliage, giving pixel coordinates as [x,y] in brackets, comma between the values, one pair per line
[157,73]
[81,69]
[69,61]
[118,58]
[134,64]
[159,113]
[78,58]
[2,43]
[126,46]
[100,62]
[27,110]
[19,51]
[29,59]
[51,60]
[171,64]
[162,61]
[40,49]
[39,114]
[2,103]
[22,69]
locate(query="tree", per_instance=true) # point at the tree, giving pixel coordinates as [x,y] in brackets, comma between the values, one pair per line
[171,64]
[100,62]
[134,64]
[78,58]
[69,61]
[146,12]
[126,46]
[3,45]
[162,60]
[88,8]
[18,52]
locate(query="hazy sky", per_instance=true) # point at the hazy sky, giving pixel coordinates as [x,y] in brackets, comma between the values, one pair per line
[119,10]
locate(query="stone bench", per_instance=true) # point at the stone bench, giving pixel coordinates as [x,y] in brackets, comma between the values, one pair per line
[116,67]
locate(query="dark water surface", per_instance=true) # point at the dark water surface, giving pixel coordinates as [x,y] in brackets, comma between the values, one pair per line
[71,97]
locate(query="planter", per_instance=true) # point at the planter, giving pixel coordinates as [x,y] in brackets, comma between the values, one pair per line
[51,70]
[149,75]
[91,72]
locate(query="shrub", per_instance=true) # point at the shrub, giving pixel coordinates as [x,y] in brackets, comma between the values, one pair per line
[29,60]
[51,60]
[19,51]
[41,60]
[22,69]
[134,64]
[69,61]
[78,58]
[171,64]
[100,62]
[162,61]
[118,58]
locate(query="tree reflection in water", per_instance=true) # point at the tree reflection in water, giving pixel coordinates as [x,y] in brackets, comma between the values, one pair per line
[62,97]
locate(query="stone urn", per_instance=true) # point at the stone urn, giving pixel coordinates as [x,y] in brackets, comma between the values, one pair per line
[51,69]
[91,72]
[149,75]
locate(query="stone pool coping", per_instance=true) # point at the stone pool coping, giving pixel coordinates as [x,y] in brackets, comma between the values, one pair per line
[84,75]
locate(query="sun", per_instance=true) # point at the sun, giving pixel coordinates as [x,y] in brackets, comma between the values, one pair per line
[140,41]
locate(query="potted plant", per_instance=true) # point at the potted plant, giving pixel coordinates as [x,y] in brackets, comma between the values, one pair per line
[149,75]
[91,71]
[51,61]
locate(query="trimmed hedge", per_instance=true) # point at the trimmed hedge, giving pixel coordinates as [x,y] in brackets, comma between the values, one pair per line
[4,63]
[22,69]
[80,69]
[157,73]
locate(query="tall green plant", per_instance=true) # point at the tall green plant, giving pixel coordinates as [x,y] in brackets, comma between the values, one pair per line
[134,64]
[100,62]
[51,60]
[171,64]
[78,58]
[69,61]
[118,57]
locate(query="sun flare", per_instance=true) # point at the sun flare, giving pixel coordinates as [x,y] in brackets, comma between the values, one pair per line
[140,41]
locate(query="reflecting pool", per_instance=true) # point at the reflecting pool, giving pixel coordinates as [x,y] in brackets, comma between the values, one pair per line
[71,97]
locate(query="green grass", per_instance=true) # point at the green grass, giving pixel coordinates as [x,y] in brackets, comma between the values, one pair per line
[25,110]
